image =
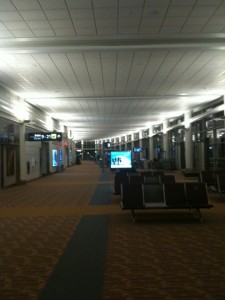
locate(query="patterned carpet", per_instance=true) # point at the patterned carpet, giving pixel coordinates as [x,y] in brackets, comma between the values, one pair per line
[164,255]
[30,248]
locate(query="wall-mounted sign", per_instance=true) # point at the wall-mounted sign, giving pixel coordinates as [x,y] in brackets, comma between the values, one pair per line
[45,136]
[138,150]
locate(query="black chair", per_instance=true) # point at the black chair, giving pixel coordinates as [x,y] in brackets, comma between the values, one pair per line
[145,173]
[158,173]
[153,195]
[168,179]
[208,178]
[220,183]
[135,179]
[118,179]
[131,197]
[197,197]
[197,194]
[175,196]
[151,179]
[126,170]
[132,174]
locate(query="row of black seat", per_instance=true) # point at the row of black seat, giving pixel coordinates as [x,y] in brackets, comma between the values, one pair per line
[139,178]
[193,196]
[147,172]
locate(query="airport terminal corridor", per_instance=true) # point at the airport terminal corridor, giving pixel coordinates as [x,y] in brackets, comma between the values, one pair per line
[65,236]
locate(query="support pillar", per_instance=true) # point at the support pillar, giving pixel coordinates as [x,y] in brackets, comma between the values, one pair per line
[188,142]
[22,162]
[165,139]
[151,144]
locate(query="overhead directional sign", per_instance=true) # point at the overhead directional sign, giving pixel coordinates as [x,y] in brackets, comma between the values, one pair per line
[45,136]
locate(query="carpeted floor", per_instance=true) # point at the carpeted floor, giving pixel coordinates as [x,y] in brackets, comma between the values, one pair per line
[166,257]
[163,255]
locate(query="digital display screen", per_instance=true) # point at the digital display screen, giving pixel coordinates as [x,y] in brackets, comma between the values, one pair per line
[120,159]
[54,158]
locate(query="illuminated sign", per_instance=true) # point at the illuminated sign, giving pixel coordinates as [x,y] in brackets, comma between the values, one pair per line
[107,145]
[138,150]
[45,137]
[54,158]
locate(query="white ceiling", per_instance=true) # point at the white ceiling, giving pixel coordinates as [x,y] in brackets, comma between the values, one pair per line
[109,67]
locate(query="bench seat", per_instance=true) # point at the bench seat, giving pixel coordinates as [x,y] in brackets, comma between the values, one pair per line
[192,196]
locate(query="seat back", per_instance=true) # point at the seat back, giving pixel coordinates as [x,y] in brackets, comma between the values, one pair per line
[207,177]
[151,179]
[153,195]
[131,196]
[175,195]
[132,174]
[145,173]
[118,179]
[158,173]
[168,179]
[220,182]
[136,179]
[197,194]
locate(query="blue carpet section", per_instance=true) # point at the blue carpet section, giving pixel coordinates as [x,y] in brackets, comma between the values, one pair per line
[102,195]
[104,177]
[80,271]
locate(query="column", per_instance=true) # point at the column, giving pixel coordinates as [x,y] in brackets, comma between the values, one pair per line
[142,161]
[188,142]
[120,148]
[151,144]
[141,143]
[22,152]
[165,139]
